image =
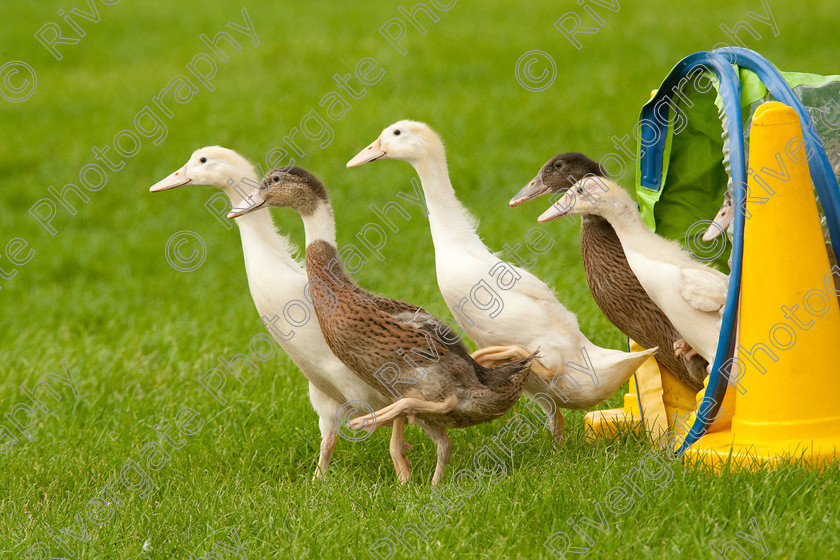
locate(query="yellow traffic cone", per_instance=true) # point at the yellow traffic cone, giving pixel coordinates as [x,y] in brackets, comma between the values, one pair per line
[788,362]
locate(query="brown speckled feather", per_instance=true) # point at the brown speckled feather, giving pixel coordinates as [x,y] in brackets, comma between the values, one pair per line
[366,331]
[625,303]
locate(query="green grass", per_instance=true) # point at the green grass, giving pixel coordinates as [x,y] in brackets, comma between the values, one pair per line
[137,334]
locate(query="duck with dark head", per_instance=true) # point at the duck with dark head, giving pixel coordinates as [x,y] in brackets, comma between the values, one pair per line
[444,387]
[690,293]
[614,286]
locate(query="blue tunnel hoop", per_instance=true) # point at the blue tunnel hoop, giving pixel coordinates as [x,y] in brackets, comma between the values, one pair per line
[653,138]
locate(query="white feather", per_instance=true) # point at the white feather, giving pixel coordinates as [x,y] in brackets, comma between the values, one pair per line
[531,316]
[275,279]
[690,293]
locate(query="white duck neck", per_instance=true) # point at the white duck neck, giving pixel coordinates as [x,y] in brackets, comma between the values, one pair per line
[629,227]
[260,239]
[450,222]
[320,225]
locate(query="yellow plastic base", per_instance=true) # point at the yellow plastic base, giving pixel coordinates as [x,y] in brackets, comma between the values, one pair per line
[725,413]
[679,399]
[662,391]
[609,423]
[612,421]
[720,449]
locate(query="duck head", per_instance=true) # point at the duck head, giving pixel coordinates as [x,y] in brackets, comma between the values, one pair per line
[404,140]
[589,196]
[212,165]
[558,175]
[293,188]
[722,219]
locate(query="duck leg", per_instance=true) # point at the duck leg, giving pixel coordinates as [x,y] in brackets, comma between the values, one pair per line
[397,448]
[444,450]
[492,356]
[559,423]
[684,348]
[328,439]
[406,406]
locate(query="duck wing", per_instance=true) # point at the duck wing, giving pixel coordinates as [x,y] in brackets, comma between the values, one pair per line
[531,286]
[625,303]
[403,312]
[704,290]
[417,317]
[409,314]
[388,330]
[388,305]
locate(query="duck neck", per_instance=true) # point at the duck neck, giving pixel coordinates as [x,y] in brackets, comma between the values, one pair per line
[320,225]
[326,273]
[449,221]
[593,222]
[628,225]
[260,239]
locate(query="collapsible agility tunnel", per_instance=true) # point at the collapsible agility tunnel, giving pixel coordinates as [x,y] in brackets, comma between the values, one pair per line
[682,178]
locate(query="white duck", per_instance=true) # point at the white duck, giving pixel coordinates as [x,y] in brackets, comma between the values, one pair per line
[690,293]
[443,387]
[582,373]
[722,220]
[276,278]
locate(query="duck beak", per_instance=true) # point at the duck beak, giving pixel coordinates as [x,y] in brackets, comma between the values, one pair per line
[175,180]
[371,153]
[722,220]
[559,209]
[532,190]
[255,200]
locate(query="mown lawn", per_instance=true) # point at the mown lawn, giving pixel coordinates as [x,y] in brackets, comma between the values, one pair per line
[136,334]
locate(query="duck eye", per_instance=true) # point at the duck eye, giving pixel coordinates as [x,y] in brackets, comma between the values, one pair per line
[397,132]
[558,164]
[203,160]
[276,179]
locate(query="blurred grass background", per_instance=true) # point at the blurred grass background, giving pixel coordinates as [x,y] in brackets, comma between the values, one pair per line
[137,333]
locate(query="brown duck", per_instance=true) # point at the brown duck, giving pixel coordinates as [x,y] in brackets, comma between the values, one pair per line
[614,287]
[399,349]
